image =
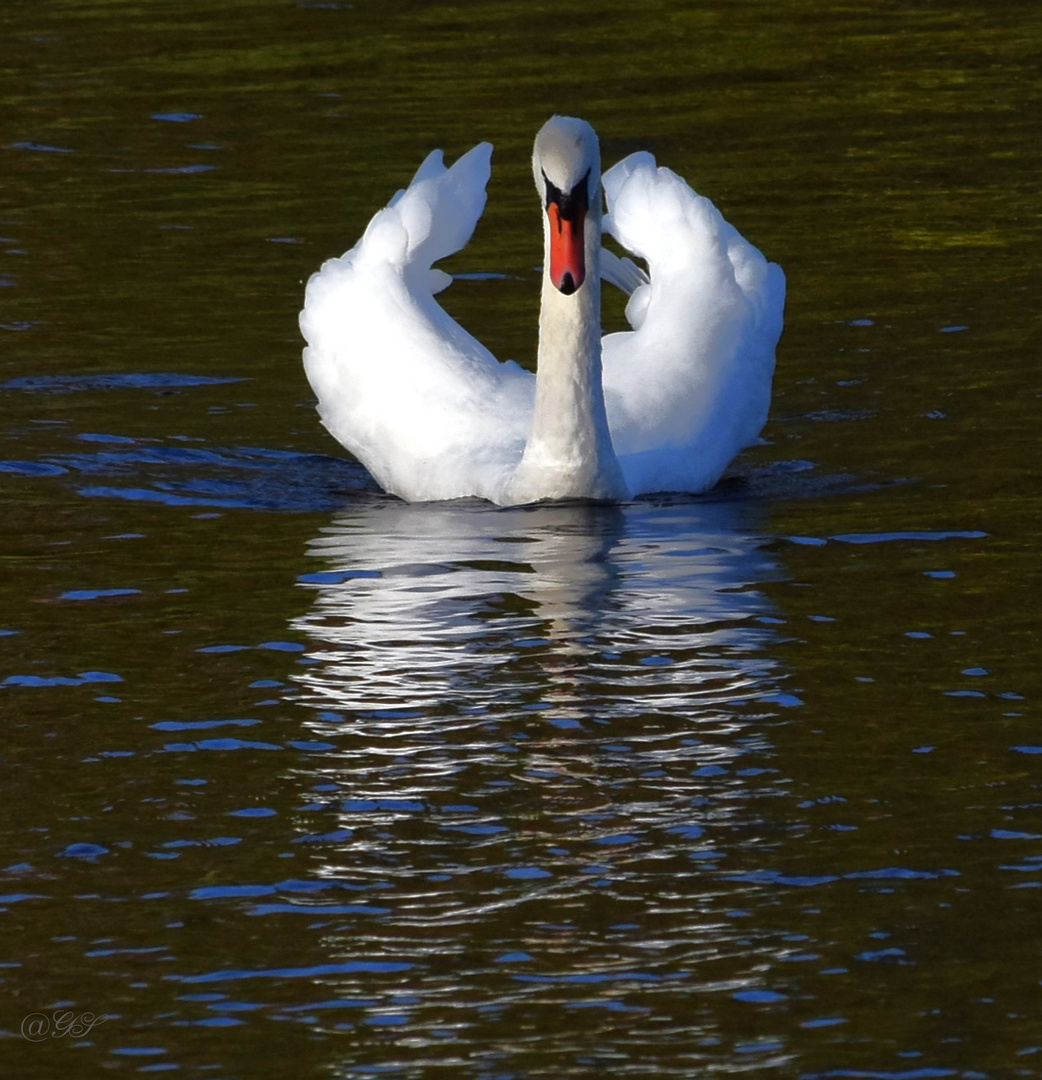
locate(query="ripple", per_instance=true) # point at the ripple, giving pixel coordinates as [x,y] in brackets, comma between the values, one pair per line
[135,380]
[318,971]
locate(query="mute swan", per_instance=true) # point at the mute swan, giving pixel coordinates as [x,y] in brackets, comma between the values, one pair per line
[665,407]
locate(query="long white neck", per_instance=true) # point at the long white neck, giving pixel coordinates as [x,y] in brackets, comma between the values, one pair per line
[569,454]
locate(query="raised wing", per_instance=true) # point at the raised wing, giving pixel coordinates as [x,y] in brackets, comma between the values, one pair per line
[690,385]
[420,402]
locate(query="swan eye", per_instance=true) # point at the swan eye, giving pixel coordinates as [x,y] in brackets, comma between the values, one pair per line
[573,204]
[553,192]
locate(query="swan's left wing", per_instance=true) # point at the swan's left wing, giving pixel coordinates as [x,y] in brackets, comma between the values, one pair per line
[690,386]
[420,402]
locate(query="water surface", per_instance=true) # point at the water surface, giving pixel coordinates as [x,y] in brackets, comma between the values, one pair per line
[301,779]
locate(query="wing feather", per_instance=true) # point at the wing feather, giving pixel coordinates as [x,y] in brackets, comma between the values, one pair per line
[419,401]
[690,386]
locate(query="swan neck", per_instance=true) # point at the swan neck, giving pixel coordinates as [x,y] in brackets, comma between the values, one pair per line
[569,453]
[568,371]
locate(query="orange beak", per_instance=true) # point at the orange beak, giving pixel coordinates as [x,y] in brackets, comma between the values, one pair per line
[567,249]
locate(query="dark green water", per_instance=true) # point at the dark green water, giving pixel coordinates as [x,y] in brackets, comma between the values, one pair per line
[299,780]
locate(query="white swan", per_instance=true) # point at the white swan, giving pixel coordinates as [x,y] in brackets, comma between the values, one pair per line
[665,407]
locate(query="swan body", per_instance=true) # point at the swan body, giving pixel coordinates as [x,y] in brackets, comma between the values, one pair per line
[663,407]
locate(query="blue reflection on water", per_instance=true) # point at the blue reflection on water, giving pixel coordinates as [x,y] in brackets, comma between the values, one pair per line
[353,967]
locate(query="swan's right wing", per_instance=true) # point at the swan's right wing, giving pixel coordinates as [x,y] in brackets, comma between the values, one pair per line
[420,402]
[690,386]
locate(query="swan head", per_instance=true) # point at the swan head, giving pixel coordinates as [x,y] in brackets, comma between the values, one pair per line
[566,163]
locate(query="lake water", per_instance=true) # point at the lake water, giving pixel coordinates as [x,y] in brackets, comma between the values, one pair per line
[301,780]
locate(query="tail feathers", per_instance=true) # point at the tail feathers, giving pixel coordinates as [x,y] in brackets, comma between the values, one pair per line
[623,273]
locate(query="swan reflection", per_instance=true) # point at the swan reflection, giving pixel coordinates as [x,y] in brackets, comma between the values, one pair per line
[461,608]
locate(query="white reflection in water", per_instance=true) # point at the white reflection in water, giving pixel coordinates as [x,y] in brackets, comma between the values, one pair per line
[463,606]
